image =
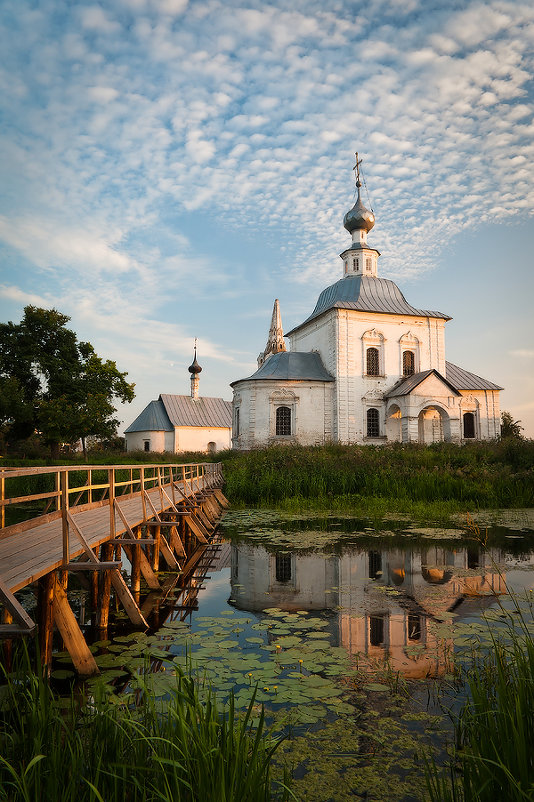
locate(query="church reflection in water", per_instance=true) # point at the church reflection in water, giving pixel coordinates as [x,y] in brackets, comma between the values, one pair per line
[382,603]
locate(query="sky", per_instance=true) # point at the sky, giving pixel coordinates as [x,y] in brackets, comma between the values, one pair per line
[169,168]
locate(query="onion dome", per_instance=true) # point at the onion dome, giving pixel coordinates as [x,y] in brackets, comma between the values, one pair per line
[194,368]
[359,217]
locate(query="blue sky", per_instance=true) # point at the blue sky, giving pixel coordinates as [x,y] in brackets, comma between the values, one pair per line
[171,167]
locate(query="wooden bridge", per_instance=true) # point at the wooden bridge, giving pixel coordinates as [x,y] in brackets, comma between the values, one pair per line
[83,519]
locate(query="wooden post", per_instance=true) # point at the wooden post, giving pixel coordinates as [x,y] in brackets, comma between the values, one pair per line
[3,498]
[83,660]
[111,481]
[156,534]
[45,607]
[7,645]
[102,618]
[143,499]
[64,516]
[135,553]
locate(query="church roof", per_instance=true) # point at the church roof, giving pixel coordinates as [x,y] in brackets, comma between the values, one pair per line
[186,411]
[291,366]
[182,410]
[405,386]
[366,294]
[456,378]
[152,419]
[464,380]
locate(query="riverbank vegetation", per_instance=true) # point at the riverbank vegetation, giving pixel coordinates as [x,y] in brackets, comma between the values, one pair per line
[99,747]
[432,482]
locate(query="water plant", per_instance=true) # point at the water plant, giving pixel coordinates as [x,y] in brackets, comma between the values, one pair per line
[102,747]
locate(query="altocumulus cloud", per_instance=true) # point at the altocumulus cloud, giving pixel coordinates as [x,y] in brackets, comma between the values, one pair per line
[117,112]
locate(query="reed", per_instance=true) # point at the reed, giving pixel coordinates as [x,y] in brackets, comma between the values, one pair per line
[493,757]
[491,475]
[184,749]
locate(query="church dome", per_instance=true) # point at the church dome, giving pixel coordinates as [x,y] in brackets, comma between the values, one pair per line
[194,368]
[359,216]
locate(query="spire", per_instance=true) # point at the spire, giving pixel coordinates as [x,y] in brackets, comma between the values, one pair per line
[275,340]
[194,369]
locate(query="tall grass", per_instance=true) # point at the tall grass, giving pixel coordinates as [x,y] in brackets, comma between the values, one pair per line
[494,755]
[183,750]
[478,475]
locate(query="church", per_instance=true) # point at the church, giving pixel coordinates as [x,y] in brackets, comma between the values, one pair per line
[364,367]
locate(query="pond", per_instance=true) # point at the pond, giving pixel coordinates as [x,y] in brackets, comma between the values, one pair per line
[352,635]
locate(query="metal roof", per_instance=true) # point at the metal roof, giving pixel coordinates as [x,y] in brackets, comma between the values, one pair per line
[456,378]
[152,419]
[366,294]
[186,411]
[405,386]
[292,366]
[464,380]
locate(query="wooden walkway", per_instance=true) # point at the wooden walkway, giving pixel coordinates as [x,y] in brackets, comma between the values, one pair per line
[147,512]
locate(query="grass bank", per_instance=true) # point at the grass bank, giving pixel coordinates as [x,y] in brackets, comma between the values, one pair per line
[182,749]
[449,477]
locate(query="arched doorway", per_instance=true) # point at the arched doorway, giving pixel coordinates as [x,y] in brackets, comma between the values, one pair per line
[393,424]
[433,425]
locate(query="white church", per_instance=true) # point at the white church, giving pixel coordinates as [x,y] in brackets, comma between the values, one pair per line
[364,367]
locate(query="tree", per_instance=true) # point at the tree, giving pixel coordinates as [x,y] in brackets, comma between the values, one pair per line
[510,427]
[53,384]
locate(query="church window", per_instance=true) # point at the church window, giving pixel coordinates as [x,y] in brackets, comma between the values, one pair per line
[346,266]
[212,447]
[376,630]
[469,425]
[373,362]
[355,264]
[146,445]
[283,421]
[237,423]
[375,564]
[414,627]
[368,264]
[408,363]
[283,567]
[373,426]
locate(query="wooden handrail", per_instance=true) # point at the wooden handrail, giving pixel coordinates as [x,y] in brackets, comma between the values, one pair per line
[140,478]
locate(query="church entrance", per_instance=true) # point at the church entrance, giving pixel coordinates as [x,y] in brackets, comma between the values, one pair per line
[393,424]
[433,425]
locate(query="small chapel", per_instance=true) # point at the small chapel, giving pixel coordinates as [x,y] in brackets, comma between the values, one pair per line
[182,422]
[364,367]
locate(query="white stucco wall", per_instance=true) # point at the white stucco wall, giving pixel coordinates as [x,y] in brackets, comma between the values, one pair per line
[184,438]
[257,401]
[196,438]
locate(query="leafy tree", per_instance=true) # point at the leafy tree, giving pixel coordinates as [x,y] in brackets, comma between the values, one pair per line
[53,384]
[510,427]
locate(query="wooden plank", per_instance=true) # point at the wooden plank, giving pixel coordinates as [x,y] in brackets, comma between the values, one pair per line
[65,620]
[16,609]
[45,608]
[127,600]
[146,569]
[167,554]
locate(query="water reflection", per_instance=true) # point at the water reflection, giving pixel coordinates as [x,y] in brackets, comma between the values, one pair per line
[383,602]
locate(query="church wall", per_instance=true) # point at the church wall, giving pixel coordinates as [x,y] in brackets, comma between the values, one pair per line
[135,441]
[311,412]
[196,438]
[341,336]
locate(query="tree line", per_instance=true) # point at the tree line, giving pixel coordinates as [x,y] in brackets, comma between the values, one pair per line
[54,385]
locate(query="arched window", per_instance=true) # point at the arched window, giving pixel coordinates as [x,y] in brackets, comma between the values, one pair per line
[408,363]
[373,362]
[283,421]
[236,425]
[373,427]
[212,447]
[469,425]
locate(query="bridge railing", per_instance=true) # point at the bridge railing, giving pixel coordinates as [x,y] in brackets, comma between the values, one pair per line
[37,495]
